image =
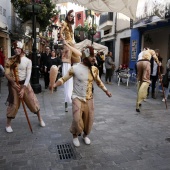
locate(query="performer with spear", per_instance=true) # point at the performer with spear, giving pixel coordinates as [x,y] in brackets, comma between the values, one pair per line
[18,72]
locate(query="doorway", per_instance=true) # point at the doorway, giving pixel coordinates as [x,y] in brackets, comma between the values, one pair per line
[126,50]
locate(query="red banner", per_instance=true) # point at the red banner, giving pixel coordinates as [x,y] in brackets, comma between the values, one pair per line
[97,36]
[79,17]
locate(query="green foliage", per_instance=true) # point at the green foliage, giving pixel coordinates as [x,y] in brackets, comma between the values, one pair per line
[47,11]
[86,27]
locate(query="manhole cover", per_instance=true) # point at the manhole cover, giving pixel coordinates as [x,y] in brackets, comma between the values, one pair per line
[65,152]
[168,139]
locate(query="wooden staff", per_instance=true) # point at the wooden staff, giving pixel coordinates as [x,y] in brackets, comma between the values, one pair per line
[163,91]
[23,104]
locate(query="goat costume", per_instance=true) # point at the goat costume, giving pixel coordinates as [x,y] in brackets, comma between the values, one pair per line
[68,57]
[22,67]
[82,96]
[143,76]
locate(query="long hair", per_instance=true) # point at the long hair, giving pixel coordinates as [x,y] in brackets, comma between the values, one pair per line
[86,60]
[69,23]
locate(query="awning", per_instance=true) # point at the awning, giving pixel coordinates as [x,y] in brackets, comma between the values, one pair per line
[96,46]
[126,7]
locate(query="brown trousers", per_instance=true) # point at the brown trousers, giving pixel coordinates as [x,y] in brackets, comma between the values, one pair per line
[29,98]
[83,116]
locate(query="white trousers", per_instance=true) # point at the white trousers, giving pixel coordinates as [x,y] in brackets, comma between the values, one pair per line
[68,85]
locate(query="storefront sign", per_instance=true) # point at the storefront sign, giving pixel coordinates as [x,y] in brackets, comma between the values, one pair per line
[134,50]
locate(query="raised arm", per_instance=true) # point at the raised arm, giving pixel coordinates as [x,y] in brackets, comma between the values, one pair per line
[101,85]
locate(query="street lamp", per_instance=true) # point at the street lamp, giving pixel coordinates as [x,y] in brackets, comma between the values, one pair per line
[34,8]
[50,29]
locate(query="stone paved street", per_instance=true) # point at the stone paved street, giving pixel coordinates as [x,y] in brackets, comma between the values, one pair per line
[121,139]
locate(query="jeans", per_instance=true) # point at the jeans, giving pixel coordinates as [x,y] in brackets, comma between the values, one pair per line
[108,74]
[167,91]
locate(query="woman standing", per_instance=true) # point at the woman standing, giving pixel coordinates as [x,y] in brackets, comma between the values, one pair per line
[53,60]
[69,55]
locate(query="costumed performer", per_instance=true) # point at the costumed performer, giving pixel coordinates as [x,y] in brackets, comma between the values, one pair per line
[68,56]
[143,76]
[20,66]
[84,74]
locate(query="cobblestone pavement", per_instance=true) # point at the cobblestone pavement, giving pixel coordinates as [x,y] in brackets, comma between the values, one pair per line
[121,139]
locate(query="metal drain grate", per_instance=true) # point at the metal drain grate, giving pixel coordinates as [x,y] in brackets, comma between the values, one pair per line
[65,151]
[168,139]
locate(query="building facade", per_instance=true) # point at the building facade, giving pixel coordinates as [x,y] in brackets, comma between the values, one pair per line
[115,34]
[151,29]
[5,12]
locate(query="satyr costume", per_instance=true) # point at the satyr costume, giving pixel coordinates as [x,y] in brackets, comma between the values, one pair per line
[19,68]
[82,96]
[143,76]
[68,56]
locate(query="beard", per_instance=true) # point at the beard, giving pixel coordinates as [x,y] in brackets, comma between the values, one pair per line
[87,62]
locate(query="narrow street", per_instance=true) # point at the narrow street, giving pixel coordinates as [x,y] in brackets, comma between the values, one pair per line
[121,138]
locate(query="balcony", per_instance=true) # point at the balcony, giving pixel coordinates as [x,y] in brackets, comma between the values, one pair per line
[106,21]
[15,27]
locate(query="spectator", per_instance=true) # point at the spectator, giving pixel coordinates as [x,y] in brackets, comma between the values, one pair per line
[154,72]
[168,86]
[100,61]
[43,61]
[52,61]
[109,64]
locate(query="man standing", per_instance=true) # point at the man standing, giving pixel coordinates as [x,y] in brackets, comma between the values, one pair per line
[18,69]
[100,62]
[43,61]
[109,64]
[82,97]
[155,68]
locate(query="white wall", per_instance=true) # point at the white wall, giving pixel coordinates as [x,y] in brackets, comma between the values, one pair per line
[122,22]
[159,38]
[6,5]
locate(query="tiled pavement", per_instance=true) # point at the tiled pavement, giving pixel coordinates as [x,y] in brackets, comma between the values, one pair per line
[121,138]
